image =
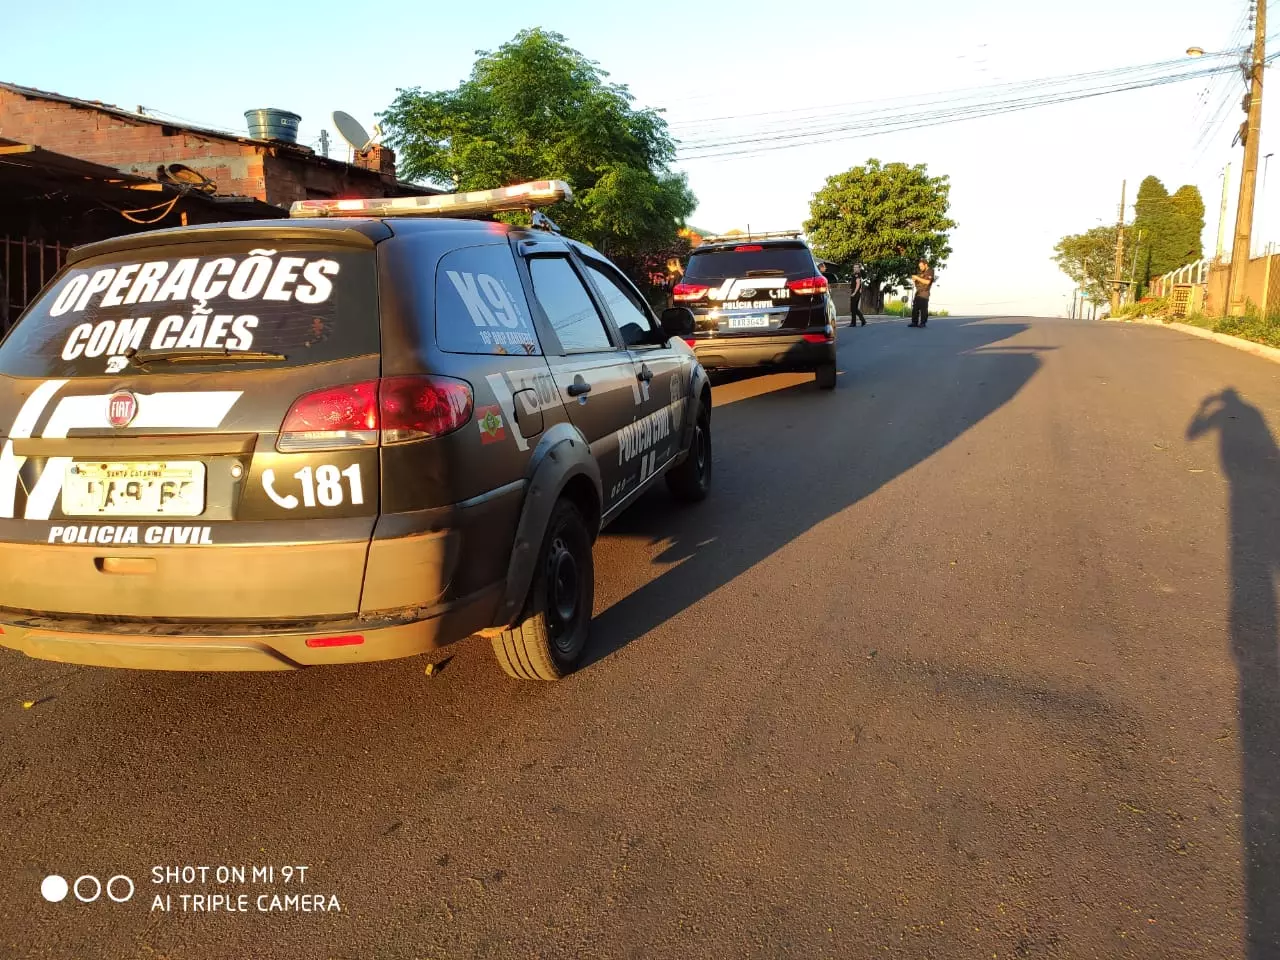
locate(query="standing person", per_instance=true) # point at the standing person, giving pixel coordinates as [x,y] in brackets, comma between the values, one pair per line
[855,299]
[920,306]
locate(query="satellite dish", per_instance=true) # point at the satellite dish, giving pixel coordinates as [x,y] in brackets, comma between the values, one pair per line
[350,130]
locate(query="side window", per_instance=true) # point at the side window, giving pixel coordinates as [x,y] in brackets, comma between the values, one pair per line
[480,306]
[631,318]
[568,305]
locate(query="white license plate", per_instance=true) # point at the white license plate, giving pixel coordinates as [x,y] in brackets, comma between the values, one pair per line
[172,488]
[739,322]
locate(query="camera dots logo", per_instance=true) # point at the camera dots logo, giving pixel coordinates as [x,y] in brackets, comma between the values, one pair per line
[87,888]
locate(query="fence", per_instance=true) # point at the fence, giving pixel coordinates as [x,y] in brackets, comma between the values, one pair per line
[25,267]
[1203,286]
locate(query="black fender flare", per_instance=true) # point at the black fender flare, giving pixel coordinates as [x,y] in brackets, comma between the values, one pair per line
[562,454]
[699,383]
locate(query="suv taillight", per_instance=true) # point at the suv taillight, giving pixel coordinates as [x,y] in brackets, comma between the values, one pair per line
[390,410]
[808,286]
[689,291]
[417,408]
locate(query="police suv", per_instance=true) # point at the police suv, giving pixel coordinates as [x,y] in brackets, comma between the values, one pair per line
[759,300]
[365,432]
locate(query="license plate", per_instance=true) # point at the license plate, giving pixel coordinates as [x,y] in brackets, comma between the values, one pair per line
[739,322]
[172,488]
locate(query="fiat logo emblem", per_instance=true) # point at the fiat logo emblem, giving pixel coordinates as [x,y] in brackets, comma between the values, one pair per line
[122,407]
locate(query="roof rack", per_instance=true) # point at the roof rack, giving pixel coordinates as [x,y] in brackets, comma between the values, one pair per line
[522,196]
[751,236]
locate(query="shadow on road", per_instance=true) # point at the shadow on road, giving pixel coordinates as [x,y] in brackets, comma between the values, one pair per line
[810,456]
[1251,462]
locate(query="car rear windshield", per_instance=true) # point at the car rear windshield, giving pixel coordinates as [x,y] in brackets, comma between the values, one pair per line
[286,304]
[792,260]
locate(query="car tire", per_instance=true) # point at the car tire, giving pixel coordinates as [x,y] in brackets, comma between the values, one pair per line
[825,376]
[549,640]
[691,480]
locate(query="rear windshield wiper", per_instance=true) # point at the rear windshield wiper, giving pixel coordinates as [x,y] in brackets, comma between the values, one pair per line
[140,358]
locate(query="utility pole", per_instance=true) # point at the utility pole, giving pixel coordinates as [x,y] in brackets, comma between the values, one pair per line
[1119,270]
[1133,268]
[324,143]
[1222,213]
[1251,134]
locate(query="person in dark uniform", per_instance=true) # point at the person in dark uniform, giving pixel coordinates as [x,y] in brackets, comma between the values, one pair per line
[920,306]
[855,299]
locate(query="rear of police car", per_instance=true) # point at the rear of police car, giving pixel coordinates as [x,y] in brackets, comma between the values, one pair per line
[194,425]
[759,301]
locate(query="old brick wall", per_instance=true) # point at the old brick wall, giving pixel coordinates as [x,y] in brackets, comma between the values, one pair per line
[129,145]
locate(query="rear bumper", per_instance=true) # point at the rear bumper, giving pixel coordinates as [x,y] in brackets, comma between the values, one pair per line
[781,352]
[240,646]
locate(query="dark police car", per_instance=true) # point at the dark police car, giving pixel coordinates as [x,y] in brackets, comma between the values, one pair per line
[358,434]
[759,300]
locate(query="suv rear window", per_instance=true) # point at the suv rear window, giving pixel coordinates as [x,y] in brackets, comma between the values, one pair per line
[480,305]
[310,303]
[772,259]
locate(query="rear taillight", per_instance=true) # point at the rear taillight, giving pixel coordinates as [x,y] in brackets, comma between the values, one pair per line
[391,410]
[691,341]
[416,408]
[335,418]
[689,291]
[827,337]
[808,286]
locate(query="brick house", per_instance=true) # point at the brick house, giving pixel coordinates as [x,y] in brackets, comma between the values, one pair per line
[76,171]
[275,172]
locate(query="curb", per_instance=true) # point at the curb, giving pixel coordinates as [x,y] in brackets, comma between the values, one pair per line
[1239,343]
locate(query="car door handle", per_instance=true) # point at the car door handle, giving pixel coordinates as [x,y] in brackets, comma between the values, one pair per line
[645,373]
[579,387]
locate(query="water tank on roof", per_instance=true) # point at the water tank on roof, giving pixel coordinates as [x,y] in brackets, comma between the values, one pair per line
[271,123]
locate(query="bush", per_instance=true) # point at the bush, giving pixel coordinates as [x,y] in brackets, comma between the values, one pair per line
[1156,308]
[1253,326]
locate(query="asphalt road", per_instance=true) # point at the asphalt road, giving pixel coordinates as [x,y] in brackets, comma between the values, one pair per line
[974,657]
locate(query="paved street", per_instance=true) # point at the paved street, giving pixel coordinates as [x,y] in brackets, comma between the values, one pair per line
[974,657]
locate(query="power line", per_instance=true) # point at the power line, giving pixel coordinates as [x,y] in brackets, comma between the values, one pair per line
[870,123]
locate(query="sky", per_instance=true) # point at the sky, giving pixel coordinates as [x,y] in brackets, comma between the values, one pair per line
[1019,182]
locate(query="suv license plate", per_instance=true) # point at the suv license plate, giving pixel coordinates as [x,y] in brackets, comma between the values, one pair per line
[740,322]
[173,488]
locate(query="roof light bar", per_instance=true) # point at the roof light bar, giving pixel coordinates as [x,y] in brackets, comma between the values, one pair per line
[752,236]
[523,196]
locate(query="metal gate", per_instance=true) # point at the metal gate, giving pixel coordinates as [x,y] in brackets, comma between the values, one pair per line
[25,267]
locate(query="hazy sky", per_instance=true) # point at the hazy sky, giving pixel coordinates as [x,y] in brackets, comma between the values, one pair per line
[1019,181]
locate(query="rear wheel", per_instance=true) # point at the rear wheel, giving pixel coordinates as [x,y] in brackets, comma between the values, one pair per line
[825,376]
[549,641]
[691,480]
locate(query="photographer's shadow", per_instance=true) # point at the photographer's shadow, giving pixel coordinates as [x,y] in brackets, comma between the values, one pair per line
[1251,461]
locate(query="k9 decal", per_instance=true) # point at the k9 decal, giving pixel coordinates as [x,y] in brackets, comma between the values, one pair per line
[323,486]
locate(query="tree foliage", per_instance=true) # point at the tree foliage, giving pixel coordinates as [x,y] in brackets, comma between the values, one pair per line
[538,109]
[1168,227]
[1089,260]
[885,217]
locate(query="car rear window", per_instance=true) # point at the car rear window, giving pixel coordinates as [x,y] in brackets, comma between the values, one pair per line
[480,305]
[793,260]
[308,303]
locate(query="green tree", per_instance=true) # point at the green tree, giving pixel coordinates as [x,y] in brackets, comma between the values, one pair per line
[886,218]
[1185,243]
[1089,260]
[1169,228]
[537,109]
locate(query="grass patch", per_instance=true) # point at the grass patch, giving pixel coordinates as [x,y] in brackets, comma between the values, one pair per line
[896,308]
